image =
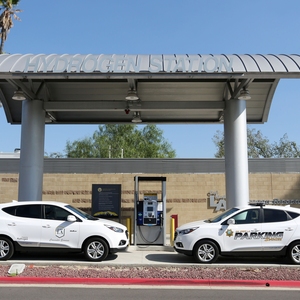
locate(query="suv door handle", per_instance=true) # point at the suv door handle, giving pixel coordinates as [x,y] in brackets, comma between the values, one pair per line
[11,224]
[289,229]
[46,226]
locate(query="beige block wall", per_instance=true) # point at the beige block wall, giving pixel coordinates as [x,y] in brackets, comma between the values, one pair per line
[268,186]
[187,194]
[8,187]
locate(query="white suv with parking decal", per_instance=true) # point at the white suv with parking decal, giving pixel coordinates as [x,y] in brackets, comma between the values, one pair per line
[253,230]
[37,225]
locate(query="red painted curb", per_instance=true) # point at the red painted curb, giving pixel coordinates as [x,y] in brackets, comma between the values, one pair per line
[147,281]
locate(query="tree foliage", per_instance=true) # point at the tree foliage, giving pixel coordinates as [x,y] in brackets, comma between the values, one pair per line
[286,148]
[259,146]
[219,142]
[117,141]
[6,19]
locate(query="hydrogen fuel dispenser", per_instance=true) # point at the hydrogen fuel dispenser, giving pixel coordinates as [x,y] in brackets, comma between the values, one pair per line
[150,214]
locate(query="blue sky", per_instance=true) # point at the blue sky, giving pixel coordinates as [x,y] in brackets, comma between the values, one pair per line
[162,27]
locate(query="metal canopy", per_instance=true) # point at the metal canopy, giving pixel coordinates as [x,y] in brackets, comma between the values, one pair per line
[86,89]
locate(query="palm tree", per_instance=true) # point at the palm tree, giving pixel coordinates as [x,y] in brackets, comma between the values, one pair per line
[6,22]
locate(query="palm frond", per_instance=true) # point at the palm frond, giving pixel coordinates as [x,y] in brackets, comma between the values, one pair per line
[16,17]
[6,16]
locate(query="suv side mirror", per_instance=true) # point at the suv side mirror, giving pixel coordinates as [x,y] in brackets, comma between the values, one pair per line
[71,218]
[231,221]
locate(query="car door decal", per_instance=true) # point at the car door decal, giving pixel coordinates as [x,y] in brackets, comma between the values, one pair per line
[60,232]
[266,236]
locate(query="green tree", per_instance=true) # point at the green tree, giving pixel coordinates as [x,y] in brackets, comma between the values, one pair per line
[116,141]
[259,146]
[286,148]
[219,142]
[54,155]
[6,19]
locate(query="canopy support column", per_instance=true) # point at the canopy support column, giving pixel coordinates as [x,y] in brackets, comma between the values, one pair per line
[32,151]
[236,153]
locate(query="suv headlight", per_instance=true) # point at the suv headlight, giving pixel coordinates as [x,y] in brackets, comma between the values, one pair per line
[187,231]
[113,228]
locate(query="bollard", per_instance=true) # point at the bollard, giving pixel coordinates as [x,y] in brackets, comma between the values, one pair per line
[128,225]
[172,231]
[175,217]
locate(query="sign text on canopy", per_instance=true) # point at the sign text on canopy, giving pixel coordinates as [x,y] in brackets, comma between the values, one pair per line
[128,64]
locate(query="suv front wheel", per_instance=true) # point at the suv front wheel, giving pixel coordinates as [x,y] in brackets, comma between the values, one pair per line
[206,252]
[95,249]
[6,248]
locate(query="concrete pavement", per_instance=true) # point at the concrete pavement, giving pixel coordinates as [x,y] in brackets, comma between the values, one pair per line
[133,256]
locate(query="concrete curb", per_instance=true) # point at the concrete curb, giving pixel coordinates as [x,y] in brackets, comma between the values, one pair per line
[148,281]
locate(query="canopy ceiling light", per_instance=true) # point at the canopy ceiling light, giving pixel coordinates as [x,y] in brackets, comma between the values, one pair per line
[18,95]
[136,117]
[244,95]
[132,95]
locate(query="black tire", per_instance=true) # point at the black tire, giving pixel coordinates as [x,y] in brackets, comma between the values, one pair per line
[95,249]
[6,248]
[206,252]
[294,253]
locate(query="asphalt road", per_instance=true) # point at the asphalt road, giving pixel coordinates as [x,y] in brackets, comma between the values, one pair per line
[129,293]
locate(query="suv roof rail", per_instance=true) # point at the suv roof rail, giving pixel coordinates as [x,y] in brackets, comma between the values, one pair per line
[261,203]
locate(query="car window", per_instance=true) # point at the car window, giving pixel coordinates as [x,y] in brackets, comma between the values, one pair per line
[25,211]
[274,215]
[11,210]
[247,217]
[53,212]
[81,213]
[222,216]
[293,215]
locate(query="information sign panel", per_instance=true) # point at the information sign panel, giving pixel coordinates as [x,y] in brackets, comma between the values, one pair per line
[106,200]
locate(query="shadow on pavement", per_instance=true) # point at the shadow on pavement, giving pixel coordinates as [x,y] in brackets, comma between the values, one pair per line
[171,258]
[50,256]
[183,259]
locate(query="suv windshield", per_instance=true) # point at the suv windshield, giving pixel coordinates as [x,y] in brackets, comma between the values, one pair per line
[222,216]
[81,213]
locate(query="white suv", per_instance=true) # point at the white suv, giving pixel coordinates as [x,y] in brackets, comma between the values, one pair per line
[53,225]
[245,231]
